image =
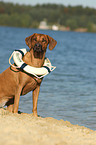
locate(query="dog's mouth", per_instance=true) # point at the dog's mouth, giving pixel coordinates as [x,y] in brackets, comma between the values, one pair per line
[38,51]
[38,48]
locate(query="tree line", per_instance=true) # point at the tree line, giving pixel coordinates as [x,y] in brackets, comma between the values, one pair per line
[30,16]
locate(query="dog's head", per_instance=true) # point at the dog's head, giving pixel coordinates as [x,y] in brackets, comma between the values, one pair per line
[39,42]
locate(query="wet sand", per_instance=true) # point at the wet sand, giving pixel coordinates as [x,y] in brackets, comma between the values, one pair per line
[24,129]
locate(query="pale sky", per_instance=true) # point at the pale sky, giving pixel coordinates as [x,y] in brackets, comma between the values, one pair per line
[89,3]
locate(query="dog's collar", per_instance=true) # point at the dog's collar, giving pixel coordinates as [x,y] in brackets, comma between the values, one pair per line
[37,72]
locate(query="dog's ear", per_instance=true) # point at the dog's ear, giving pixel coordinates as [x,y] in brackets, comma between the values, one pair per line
[28,40]
[52,42]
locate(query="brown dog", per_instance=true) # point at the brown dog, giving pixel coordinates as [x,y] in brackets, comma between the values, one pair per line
[14,82]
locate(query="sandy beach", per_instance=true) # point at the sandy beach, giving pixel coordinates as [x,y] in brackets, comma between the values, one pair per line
[24,129]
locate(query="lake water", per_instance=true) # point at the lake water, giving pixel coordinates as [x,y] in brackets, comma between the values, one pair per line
[69,92]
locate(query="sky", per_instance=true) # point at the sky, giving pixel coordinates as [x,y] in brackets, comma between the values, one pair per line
[84,3]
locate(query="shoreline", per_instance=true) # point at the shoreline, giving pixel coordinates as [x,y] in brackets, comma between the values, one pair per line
[22,129]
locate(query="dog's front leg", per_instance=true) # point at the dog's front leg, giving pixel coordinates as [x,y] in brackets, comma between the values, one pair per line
[35,100]
[10,105]
[17,98]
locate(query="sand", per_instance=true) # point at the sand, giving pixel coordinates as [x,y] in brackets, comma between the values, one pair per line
[24,129]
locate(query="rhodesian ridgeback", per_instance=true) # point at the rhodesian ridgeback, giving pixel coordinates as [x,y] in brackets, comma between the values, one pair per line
[14,82]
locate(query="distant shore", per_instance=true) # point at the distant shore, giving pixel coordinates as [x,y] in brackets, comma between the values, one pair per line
[49,16]
[24,129]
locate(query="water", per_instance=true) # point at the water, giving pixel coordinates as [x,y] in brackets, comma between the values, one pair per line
[69,92]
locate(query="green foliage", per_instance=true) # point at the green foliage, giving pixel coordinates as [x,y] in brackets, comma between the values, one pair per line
[91,27]
[30,16]
[72,23]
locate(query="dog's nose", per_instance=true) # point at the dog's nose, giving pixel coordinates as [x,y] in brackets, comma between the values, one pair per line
[38,47]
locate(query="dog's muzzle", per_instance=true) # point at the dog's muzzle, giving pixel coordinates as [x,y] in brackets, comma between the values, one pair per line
[38,48]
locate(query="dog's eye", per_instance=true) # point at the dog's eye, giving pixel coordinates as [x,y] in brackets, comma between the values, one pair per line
[43,40]
[34,39]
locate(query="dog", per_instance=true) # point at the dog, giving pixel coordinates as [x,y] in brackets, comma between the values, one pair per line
[15,82]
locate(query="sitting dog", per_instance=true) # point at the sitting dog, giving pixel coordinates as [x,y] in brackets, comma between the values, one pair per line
[14,82]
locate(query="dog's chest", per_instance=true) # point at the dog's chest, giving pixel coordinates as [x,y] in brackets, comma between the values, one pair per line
[30,86]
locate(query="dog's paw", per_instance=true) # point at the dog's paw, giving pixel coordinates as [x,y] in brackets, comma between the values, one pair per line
[4,111]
